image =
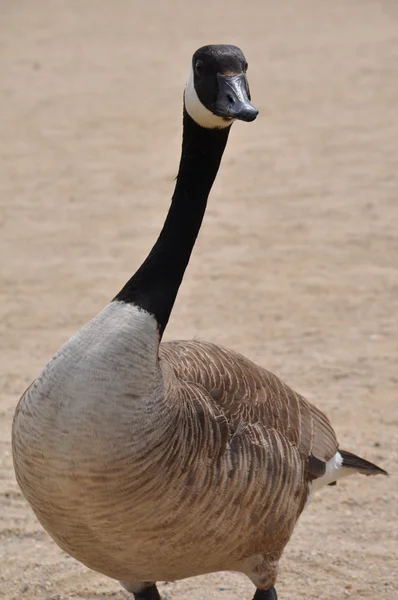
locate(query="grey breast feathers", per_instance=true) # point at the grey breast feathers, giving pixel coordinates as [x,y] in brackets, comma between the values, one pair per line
[247,394]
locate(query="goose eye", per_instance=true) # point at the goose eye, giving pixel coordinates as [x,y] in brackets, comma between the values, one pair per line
[199,67]
[246,66]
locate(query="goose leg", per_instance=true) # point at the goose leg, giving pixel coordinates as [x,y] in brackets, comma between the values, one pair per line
[148,593]
[269,594]
[142,591]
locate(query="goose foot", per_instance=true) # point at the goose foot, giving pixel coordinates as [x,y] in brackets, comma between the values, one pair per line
[142,591]
[148,593]
[269,594]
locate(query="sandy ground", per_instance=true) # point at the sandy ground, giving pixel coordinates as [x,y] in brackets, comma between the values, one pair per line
[297,261]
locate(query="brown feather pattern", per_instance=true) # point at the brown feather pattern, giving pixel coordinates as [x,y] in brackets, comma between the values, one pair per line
[216,462]
[250,396]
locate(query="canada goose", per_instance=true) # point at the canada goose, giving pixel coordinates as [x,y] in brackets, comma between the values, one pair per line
[149,461]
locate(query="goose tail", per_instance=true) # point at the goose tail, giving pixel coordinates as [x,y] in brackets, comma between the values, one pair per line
[351,461]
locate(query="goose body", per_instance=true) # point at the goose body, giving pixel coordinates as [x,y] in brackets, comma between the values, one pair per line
[153,461]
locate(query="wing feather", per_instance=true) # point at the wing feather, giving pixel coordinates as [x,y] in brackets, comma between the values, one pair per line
[247,394]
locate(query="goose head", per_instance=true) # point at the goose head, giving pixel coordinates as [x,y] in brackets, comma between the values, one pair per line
[217,92]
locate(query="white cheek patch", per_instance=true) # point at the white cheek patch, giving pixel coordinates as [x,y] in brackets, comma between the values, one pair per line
[198,112]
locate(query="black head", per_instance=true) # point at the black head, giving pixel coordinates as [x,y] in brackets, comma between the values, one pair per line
[217,90]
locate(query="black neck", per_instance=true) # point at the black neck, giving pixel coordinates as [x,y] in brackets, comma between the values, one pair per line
[155,285]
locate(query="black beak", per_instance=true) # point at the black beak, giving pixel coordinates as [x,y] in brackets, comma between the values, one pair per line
[233,101]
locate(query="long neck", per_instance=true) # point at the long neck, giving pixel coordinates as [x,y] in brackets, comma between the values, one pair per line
[155,285]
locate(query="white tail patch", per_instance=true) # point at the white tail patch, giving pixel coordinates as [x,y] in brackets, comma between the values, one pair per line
[198,112]
[334,471]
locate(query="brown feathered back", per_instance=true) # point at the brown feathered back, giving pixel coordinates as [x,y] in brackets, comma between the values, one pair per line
[248,394]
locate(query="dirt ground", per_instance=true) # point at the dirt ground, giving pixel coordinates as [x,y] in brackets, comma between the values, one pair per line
[297,261]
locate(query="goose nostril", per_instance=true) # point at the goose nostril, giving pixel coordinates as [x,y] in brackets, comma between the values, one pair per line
[230,98]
